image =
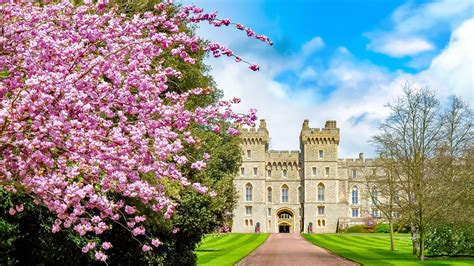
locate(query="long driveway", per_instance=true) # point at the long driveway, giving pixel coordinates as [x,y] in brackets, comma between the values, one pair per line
[291,249]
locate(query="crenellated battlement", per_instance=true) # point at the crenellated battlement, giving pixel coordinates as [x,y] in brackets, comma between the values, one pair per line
[283,156]
[357,161]
[255,136]
[327,135]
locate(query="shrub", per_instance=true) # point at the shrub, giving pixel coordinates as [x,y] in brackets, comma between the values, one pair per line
[382,228]
[357,229]
[401,228]
[450,240]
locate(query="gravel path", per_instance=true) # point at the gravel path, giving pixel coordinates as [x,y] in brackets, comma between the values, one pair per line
[291,249]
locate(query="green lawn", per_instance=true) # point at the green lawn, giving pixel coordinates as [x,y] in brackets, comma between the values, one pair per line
[373,249]
[227,249]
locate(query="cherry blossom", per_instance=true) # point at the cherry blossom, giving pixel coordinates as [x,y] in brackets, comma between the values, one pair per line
[86,111]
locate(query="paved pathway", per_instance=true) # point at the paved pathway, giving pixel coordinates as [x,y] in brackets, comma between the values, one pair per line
[291,249]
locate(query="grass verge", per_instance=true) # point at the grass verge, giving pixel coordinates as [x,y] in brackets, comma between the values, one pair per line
[227,249]
[374,249]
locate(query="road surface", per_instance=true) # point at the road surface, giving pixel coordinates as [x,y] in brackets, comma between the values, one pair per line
[291,249]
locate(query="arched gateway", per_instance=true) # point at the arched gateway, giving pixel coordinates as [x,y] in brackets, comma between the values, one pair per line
[285,220]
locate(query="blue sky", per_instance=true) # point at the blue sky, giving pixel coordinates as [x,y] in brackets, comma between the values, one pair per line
[342,60]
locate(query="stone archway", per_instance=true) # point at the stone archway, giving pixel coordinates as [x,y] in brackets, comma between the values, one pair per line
[285,220]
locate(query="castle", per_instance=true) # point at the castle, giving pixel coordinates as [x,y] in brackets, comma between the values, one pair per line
[295,191]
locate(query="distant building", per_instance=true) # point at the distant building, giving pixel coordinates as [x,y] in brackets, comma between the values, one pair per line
[288,191]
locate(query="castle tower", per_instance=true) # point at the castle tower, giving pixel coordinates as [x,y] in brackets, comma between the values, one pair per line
[250,181]
[319,152]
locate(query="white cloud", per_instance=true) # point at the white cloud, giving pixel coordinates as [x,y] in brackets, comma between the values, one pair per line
[441,13]
[308,73]
[361,90]
[412,26]
[312,46]
[452,71]
[401,47]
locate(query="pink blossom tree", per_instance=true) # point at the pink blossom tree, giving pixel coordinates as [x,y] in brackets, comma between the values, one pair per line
[86,112]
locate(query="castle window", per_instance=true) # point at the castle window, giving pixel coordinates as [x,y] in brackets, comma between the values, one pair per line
[395,214]
[246,222]
[269,211]
[255,171]
[396,197]
[242,171]
[251,222]
[249,153]
[320,192]
[248,192]
[355,212]
[375,213]
[354,174]
[269,173]
[327,171]
[320,210]
[248,210]
[321,154]
[284,194]
[300,194]
[284,215]
[324,223]
[285,173]
[355,195]
[269,194]
[319,223]
[374,196]
[313,172]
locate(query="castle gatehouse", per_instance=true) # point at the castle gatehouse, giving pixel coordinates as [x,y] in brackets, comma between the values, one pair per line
[306,190]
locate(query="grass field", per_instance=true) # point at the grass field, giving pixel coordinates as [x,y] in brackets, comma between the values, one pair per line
[227,249]
[373,249]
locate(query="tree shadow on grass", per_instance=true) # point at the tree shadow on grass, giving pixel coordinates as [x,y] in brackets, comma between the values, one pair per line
[207,250]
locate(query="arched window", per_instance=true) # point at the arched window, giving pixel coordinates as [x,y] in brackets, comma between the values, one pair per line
[269,194]
[355,195]
[319,223]
[320,192]
[248,192]
[269,173]
[285,173]
[300,194]
[284,193]
[285,215]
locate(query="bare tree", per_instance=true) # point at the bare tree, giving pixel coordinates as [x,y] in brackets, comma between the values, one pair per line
[382,186]
[429,148]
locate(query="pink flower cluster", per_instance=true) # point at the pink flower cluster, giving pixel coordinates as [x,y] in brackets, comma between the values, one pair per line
[195,14]
[85,111]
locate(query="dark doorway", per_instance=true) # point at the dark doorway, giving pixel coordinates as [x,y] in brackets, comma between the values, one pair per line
[284,228]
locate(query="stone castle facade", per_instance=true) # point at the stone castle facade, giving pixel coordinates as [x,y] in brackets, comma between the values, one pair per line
[296,191]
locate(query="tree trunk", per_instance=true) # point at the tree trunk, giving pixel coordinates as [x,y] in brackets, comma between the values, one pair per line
[392,243]
[413,239]
[422,246]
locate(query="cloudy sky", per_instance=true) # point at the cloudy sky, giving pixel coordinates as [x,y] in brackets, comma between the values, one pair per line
[341,60]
